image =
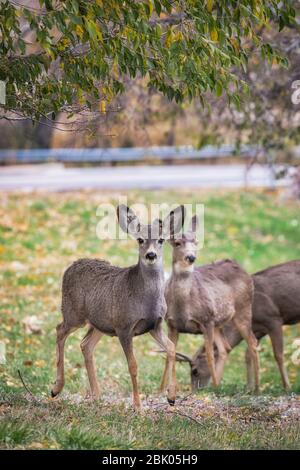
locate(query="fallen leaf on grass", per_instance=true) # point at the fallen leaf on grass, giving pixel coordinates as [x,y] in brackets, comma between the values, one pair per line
[7,327]
[9,383]
[18,266]
[36,445]
[40,363]
[27,363]
[32,325]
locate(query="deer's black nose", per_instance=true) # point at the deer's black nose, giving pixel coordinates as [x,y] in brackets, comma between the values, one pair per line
[190,258]
[151,255]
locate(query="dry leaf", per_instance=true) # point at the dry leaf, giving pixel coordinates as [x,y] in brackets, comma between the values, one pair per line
[32,325]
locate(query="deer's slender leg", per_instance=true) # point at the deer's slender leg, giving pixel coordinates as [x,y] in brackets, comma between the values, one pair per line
[250,371]
[126,343]
[222,354]
[208,333]
[170,370]
[277,345]
[243,324]
[173,336]
[63,331]
[87,347]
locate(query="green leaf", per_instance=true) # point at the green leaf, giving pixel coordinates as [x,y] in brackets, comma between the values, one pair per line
[179,62]
[219,89]
[157,6]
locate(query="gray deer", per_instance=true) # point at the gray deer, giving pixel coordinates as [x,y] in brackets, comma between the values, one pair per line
[123,302]
[276,303]
[204,299]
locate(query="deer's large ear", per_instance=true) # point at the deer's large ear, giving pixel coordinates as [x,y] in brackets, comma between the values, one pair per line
[128,220]
[173,223]
[194,224]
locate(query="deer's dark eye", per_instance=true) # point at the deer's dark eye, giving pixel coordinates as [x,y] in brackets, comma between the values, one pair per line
[160,241]
[140,241]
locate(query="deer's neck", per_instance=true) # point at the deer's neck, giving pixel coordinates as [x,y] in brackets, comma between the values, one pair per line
[185,277]
[181,280]
[181,273]
[151,274]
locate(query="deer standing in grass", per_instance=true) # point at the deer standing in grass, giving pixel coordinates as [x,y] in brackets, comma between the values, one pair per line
[123,302]
[276,303]
[203,299]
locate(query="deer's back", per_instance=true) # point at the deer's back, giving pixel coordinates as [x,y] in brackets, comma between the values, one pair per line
[277,293]
[229,277]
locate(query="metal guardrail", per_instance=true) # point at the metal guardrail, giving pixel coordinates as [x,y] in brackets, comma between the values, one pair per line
[134,154]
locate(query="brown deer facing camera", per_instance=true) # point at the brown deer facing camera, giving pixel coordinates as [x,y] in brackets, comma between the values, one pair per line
[276,303]
[203,299]
[123,302]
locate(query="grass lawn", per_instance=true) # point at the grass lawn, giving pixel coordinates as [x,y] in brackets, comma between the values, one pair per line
[40,235]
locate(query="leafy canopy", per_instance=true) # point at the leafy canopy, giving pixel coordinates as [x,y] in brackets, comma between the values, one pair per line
[81,52]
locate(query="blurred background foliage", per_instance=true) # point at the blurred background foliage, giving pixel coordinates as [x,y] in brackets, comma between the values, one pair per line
[112,74]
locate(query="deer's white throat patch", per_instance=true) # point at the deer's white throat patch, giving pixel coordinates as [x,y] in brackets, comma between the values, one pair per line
[182,267]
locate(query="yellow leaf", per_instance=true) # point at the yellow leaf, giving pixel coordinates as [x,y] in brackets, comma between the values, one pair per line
[99,3]
[115,70]
[103,107]
[81,99]
[169,37]
[79,30]
[214,35]
[209,5]
[235,44]
[150,6]
[232,230]
[36,445]
[99,34]
[178,36]
[39,363]
[65,43]
[28,340]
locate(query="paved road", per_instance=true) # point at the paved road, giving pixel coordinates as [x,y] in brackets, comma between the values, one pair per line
[54,177]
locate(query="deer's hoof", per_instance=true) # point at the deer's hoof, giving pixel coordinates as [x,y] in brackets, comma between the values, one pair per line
[56,389]
[171,402]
